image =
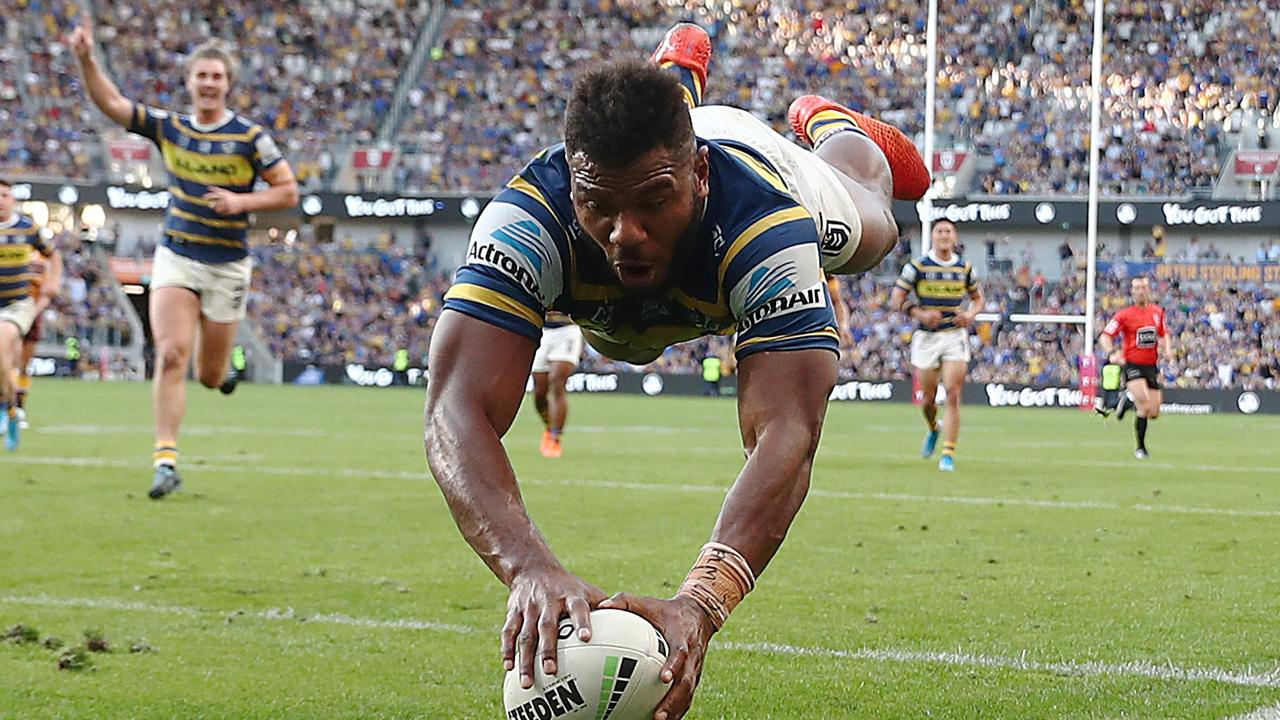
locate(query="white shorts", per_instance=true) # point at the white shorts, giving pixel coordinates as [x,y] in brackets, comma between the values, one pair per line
[929,349]
[559,344]
[809,179]
[222,287]
[21,313]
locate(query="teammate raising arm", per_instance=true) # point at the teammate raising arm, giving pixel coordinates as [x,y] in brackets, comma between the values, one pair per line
[202,267]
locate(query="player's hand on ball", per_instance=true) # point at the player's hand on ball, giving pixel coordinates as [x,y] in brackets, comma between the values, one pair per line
[224,202]
[537,602]
[688,630]
[930,318]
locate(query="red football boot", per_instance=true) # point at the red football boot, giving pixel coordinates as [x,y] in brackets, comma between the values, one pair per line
[910,176]
[688,46]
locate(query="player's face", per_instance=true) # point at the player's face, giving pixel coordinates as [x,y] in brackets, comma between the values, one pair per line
[943,237]
[6,202]
[638,214]
[1140,290]
[208,83]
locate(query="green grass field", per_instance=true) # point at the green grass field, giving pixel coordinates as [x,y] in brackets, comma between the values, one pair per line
[311,570]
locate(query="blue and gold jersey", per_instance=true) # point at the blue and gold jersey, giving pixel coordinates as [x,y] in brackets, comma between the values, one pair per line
[939,285]
[19,237]
[754,268]
[231,156]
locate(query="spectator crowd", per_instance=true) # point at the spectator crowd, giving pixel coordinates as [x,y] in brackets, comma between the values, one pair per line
[1013,78]
[338,304]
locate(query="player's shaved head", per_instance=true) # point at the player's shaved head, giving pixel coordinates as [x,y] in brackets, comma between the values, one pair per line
[638,179]
[621,111]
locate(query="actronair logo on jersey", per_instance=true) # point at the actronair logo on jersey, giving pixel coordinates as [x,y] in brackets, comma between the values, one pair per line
[515,250]
[558,700]
[784,304]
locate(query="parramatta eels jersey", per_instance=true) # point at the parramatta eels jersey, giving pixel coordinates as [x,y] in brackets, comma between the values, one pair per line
[232,156]
[939,285]
[19,236]
[754,269]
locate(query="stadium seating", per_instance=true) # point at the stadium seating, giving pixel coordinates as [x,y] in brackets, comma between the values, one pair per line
[341,305]
[1012,79]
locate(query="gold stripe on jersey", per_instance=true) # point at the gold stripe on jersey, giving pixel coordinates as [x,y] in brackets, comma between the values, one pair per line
[521,185]
[6,232]
[768,222]
[761,169]
[204,239]
[177,192]
[825,332]
[493,299]
[246,136]
[12,259]
[207,169]
[23,291]
[228,224]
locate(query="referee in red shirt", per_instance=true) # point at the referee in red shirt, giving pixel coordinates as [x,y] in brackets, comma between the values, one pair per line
[1142,327]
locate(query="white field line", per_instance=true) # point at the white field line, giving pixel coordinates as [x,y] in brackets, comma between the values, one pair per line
[660,487]
[1271,712]
[1140,668]
[270,614]
[828,448]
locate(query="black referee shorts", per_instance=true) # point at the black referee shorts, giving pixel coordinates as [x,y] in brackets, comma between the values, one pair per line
[1142,372]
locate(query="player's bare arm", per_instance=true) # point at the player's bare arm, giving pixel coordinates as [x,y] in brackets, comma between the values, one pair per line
[102,91]
[478,374]
[781,406]
[51,285]
[1109,348]
[900,302]
[842,311]
[967,317]
[281,193]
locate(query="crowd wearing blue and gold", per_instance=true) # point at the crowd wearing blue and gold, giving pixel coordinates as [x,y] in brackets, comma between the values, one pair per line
[754,268]
[19,238]
[939,285]
[232,155]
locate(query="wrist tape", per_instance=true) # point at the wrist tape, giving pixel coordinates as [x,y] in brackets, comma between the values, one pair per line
[718,581]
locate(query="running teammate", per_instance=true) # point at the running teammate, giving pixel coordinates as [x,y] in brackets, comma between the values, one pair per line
[202,267]
[19,240]
[941,280]
[646,235]
[557,357]
[31,340]
[1142,327]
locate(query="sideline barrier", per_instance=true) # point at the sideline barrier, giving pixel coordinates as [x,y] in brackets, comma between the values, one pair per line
[1177,401]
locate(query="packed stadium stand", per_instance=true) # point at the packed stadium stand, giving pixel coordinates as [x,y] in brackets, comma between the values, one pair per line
[485,89]
[345,305]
